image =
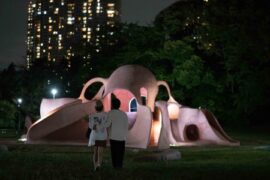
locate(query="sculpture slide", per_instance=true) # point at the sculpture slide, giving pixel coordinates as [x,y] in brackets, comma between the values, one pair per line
[217,127]
[208,129]
[70,113]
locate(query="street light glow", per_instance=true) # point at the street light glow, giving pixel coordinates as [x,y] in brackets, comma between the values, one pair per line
[54,92]
[19,100]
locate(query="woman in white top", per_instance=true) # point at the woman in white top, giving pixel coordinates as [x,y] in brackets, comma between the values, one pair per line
[118,133]
[99,123]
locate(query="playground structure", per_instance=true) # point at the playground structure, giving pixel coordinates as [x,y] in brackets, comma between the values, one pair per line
[152,123]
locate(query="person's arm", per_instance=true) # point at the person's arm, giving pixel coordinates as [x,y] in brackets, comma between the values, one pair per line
[104,123]
[126,125]
[91,122]
[94,127]
[108,121]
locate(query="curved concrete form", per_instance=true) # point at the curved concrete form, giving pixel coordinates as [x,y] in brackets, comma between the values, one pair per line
[60,118]
[151,124]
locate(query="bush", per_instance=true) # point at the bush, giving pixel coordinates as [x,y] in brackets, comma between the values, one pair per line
[8,114]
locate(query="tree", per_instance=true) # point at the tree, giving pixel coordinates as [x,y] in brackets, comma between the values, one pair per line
[231,38]
[8,114]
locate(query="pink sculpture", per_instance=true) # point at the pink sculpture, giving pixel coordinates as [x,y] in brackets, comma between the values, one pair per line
[151,123]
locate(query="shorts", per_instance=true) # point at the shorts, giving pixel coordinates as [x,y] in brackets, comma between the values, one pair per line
[100,143]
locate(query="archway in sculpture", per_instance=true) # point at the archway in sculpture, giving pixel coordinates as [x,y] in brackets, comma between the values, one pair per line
[88,84]
[162,94]
[92,90]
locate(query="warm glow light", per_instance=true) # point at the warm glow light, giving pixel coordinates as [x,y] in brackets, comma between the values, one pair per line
[156,127]
[174,111]
[22,139]
[156,130]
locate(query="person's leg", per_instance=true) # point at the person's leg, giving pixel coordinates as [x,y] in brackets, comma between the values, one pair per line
[121,153]
[100,155]
[113,152]
[117,154]
[95,157]
[119,149]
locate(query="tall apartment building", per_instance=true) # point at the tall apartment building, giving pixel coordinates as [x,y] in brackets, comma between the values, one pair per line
[60,29]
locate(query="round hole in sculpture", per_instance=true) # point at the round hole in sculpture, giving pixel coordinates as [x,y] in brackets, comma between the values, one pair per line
[173,110]
[192,132]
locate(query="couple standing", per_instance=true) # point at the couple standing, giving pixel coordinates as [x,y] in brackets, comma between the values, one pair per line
[114,125]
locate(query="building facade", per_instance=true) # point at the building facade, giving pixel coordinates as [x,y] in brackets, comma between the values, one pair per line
[62,29]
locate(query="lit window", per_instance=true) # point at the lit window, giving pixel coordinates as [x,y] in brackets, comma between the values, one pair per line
[110,13]
[50,20]
[110,5]
[50,28]
[133,105]
[56,11]
[70,20]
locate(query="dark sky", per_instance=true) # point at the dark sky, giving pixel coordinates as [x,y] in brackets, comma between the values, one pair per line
[12,31]
[13,21]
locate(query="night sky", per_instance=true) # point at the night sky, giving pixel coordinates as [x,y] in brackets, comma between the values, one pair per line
[13,19]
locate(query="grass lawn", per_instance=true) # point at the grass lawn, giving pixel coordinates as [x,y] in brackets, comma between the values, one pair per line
[251,160]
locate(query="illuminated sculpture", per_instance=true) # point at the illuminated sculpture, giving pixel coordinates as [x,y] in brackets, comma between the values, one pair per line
[151,123]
